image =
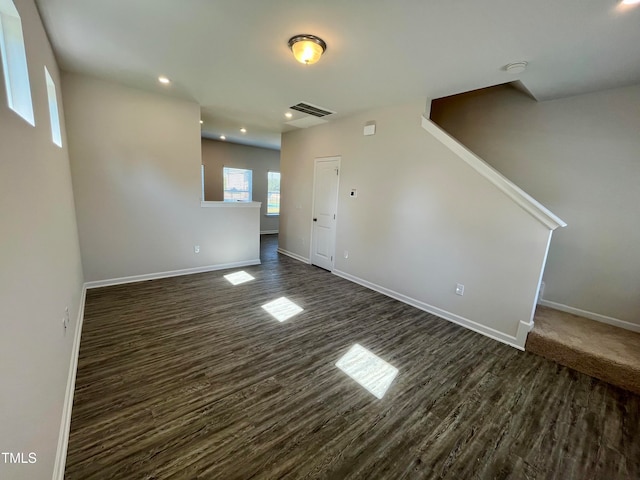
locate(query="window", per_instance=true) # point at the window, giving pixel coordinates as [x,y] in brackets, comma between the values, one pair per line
[14,62]
[56,136]
[237,184]
[202,182]
[273,193]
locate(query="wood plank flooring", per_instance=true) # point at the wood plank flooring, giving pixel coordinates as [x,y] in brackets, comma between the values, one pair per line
[189,378]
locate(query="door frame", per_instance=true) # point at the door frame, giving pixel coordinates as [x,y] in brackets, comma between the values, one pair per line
[313,206]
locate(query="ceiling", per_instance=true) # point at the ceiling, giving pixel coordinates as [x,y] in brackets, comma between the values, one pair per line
[231,56]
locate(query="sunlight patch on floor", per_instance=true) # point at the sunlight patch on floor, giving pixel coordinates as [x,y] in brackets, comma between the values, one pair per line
[282,309]
[369,370]
[239,277]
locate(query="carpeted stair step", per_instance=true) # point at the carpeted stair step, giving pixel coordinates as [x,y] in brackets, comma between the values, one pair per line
[603,351]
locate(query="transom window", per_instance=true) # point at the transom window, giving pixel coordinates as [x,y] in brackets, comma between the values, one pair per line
[14,62]
[54,115]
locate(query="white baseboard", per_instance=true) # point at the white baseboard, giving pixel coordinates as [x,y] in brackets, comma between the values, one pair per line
[523,330]
[591,315]
[65,424]
[294,255]
[173,273]
[516,342]
[269,232]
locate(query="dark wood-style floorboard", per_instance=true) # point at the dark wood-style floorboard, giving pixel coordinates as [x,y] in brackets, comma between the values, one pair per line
[189,378]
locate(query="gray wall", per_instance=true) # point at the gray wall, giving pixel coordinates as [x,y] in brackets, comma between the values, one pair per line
[40,269]
[217,154]
[422,222]
[579,156]
[135,160]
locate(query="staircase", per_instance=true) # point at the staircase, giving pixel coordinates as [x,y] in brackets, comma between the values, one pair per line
[597,349]
[603,351]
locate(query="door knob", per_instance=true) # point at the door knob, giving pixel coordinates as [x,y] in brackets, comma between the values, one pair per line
[315,219]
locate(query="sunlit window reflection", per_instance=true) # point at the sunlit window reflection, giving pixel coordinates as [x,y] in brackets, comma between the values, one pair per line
[238,277]
[282,309]
[369,370]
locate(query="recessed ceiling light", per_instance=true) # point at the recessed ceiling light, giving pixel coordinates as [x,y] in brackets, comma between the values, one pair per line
[243,130]
[164,80]
[222,137]
[201,122]
[288,114]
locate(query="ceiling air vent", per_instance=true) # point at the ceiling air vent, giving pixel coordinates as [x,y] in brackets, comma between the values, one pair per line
[309,109]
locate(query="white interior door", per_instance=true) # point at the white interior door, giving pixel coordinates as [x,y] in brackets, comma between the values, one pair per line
[325,207]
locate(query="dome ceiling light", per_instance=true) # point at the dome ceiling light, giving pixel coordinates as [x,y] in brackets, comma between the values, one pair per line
[307,48]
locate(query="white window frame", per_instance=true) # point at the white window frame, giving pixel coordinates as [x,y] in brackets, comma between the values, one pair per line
[233,194]
[14,62]
[202,182]
[54,114]
[269,192]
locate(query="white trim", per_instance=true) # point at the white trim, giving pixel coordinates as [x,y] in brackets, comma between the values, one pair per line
[294,256]
[516,342]
[173,273]
[591,315]
[538,290]
[230,204]
[269,232]
[523,330]
[65,424]
[524,200]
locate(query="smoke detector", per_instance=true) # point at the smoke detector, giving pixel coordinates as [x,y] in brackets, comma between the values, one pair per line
[516,67]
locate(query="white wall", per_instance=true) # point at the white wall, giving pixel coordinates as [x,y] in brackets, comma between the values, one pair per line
[422,222]
[40,268]
[135,160]
[580,156]
[217,154]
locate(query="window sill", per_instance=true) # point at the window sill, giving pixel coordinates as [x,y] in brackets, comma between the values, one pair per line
[271,214]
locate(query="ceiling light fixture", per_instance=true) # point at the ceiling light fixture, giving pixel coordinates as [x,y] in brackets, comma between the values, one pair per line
[307,48]
[201,122]
[288,114]
[164,80]
[222,137]
[243,130]
[630,2]
[516,67]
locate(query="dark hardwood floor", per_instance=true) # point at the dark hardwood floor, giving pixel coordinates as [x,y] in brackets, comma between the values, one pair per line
[189,378]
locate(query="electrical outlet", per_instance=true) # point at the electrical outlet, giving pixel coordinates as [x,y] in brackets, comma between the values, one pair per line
[459,289]
[196,249]
[346,254]
[66,317]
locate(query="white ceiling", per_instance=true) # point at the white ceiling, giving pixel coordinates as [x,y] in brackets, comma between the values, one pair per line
[231,56]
